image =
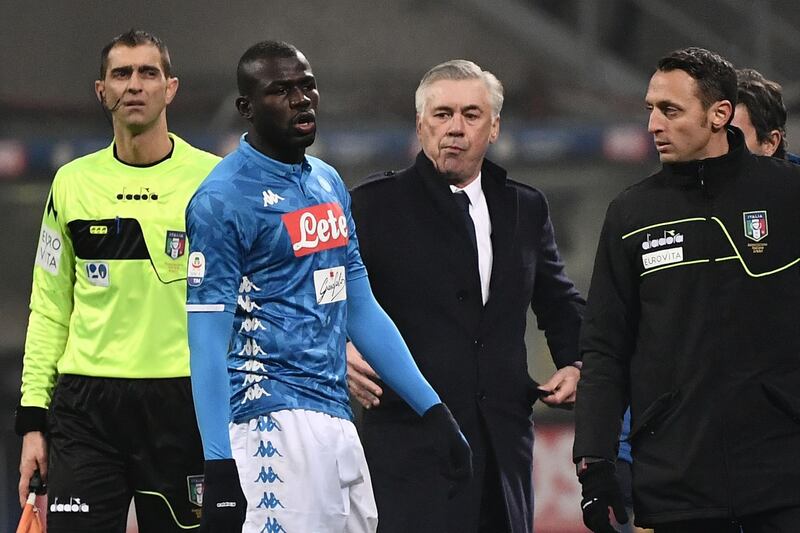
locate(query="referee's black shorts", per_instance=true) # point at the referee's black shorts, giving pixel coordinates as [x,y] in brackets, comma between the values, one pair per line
[111,439]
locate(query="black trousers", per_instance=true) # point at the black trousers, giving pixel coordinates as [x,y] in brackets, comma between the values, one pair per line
[785,520]
[113,439]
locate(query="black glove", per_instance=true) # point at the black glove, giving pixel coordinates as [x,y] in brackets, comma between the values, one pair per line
[600,491]
[224,504]
[455,455]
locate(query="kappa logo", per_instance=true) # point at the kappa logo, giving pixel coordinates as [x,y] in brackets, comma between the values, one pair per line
[316,228]
[266,423]
[268,451]
[254,392]
[272,526]
[251,324]
[269,501]
[270,198]
[247,304]
[251,347]
[247,286]
[267,476]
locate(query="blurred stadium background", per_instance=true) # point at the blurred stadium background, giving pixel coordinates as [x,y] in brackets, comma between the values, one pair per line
[574,124]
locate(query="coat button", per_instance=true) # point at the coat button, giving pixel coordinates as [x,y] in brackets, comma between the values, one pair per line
[481,395]
[462,295]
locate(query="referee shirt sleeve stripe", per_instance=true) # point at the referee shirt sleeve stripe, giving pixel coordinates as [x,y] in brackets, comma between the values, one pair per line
[204,308]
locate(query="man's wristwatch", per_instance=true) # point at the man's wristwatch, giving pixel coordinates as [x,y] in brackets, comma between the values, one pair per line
[584,462]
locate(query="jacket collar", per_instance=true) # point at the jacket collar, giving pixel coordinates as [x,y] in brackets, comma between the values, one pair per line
[713,172]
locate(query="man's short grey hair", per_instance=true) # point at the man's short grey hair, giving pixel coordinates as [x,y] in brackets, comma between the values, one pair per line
[460,69]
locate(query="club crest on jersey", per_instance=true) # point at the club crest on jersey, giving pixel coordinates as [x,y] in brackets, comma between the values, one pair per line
[176,243]
[316,228]
[755,225]
[195,489]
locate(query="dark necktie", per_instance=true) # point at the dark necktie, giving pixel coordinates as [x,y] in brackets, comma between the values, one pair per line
[463,202]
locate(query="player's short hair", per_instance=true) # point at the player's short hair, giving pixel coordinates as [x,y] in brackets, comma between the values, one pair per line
[460,69]
[132,38]
[763,99]
[259,52]
[715,75]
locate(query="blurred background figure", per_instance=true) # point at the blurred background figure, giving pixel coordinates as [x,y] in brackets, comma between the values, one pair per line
[761,115]
[574,73]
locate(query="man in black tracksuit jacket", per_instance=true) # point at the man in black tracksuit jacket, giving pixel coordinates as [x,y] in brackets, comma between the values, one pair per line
[692,317]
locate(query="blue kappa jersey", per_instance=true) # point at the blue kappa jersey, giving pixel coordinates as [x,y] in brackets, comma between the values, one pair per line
[275,244]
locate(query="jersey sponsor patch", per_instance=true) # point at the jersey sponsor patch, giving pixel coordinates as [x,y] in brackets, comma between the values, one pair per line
[663,257]
[330,285]
[48,254]
[196,269]
[176,243]
[316,228]
[97,274]
[195,489]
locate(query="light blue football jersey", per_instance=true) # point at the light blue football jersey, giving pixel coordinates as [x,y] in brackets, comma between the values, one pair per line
[275,244]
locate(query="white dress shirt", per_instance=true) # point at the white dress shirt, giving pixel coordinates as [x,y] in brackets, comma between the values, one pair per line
[479,212]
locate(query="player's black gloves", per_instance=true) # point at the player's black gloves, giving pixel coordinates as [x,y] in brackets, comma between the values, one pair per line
[600,491]
[224,504]
[455,455]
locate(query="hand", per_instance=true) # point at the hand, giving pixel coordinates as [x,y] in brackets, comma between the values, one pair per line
[562,385]
[455,455]
[224,504]
[600,491]
[360,378]
[33,457]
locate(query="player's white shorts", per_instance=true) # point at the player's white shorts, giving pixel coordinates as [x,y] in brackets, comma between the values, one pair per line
[303,472]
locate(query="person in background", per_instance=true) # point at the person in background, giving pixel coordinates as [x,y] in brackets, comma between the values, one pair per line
[761,115]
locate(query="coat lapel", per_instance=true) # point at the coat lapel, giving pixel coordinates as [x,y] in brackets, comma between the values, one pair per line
[503,211]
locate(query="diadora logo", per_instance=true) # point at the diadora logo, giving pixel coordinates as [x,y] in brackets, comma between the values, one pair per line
[74,506]
[316,228]
[270,198]
[144,193]
[668,237]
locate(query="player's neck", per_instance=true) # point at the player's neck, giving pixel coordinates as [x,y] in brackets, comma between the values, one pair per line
[142,147]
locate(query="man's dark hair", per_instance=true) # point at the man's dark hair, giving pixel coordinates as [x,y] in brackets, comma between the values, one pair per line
[133,38]
[763,99]
[259,52]
[715,75]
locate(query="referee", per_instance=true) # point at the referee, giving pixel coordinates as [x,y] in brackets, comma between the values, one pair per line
[106,411]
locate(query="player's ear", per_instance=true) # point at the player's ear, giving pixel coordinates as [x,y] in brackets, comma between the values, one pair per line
[244,107]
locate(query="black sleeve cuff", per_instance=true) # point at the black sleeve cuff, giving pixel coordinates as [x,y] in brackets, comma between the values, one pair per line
[30,419]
